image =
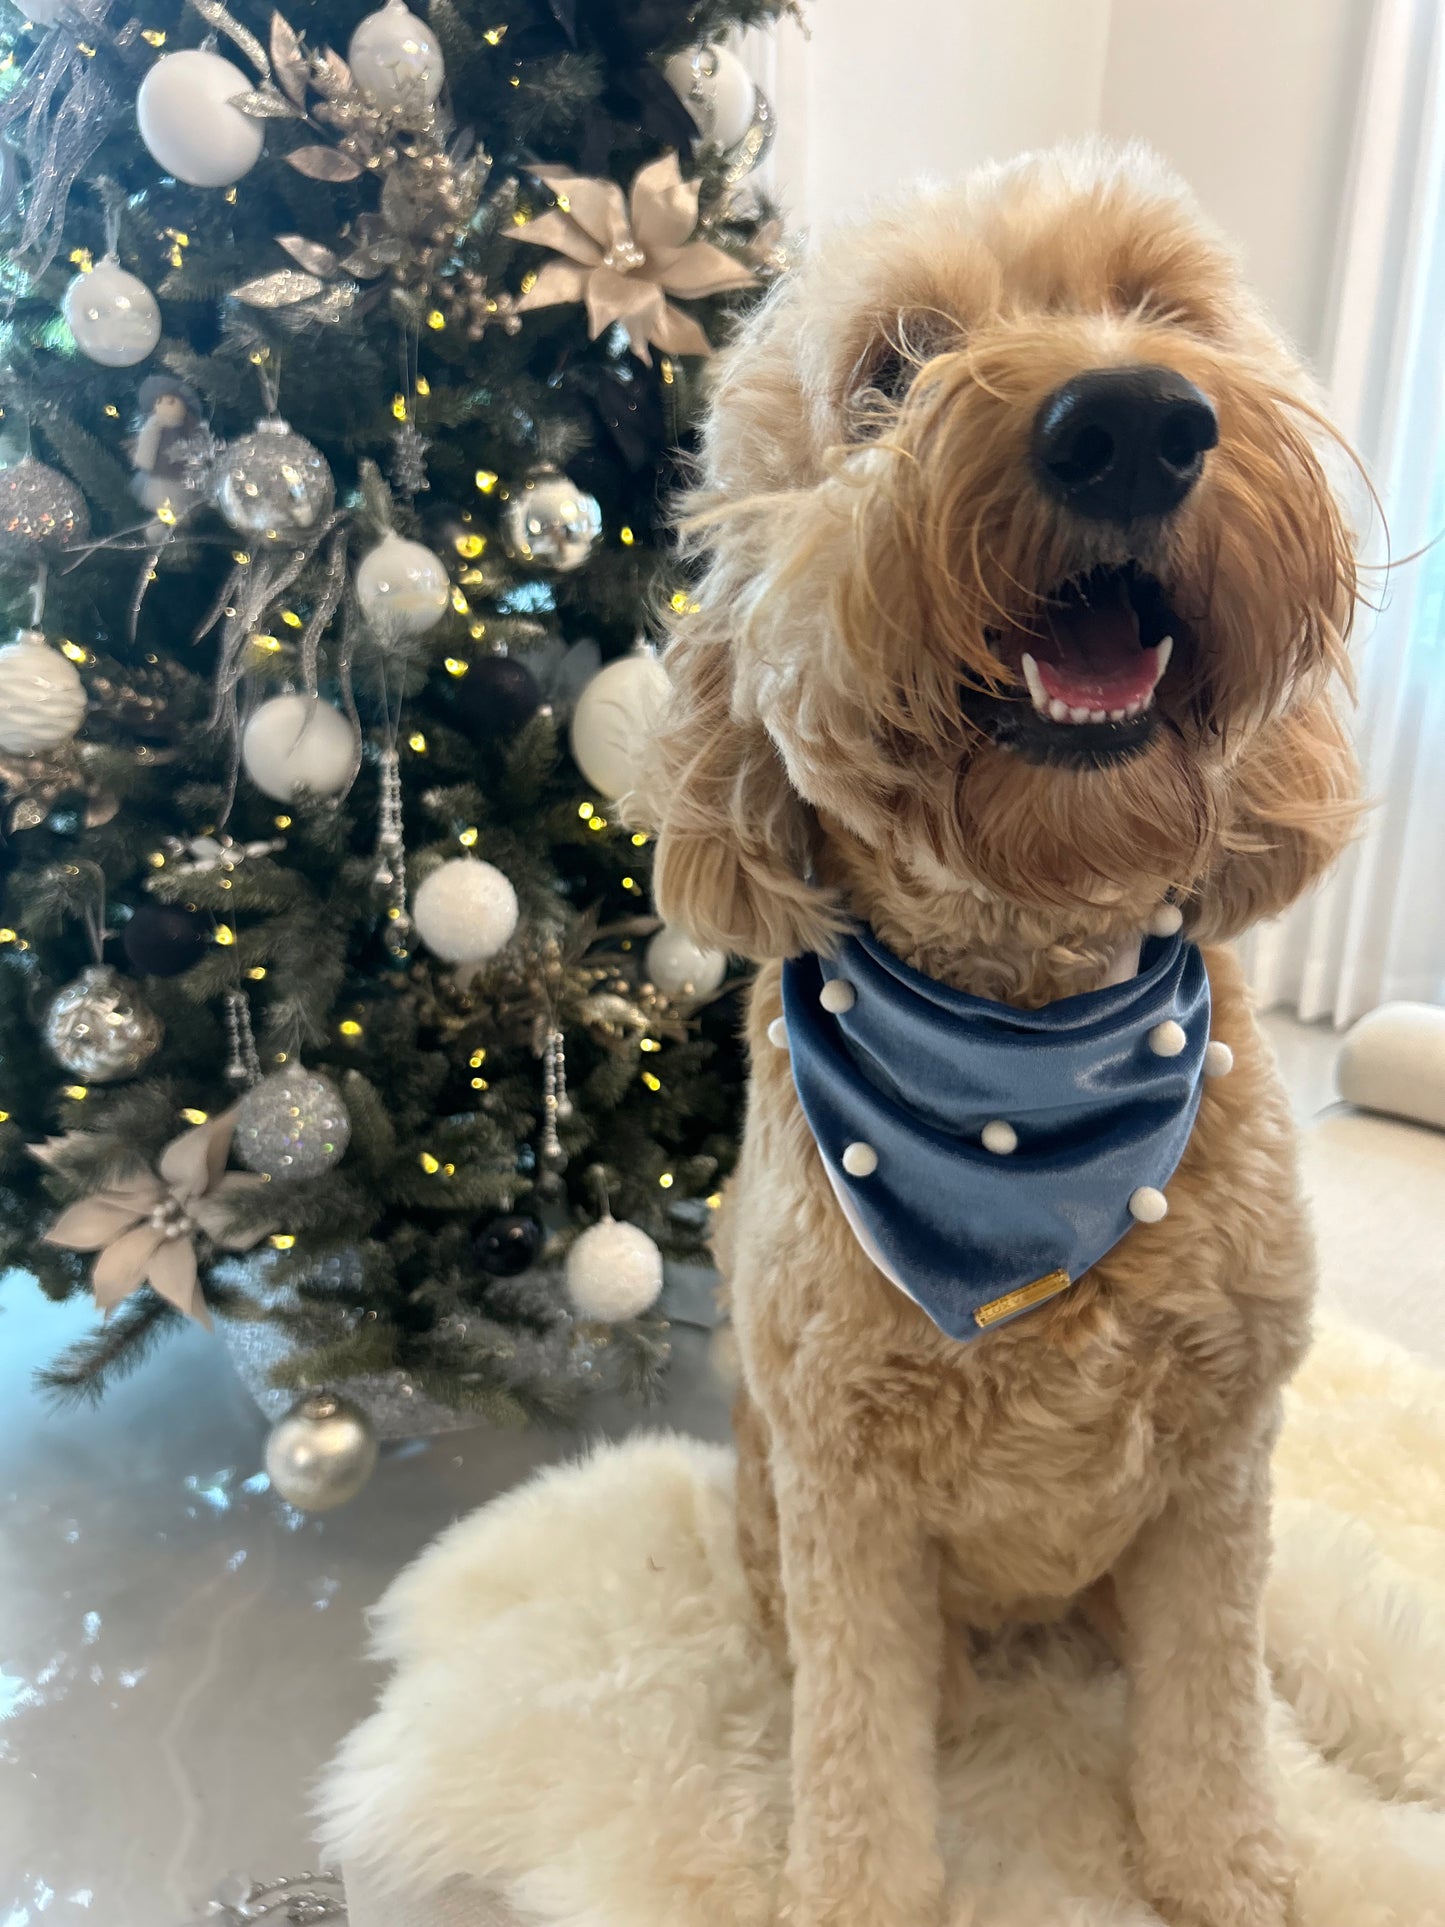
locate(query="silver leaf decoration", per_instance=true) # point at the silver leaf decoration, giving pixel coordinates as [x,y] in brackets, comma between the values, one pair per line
[324,164]
[264,103]
[288,59]
[283,289]
[312,256]
[332,75]
[375,259]
[215,15]
[332,305]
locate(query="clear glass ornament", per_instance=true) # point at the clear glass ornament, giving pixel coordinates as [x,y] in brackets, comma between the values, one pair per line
[274,483]
[322,1453]
[112,314]
[293,1124]
[552,522]
[99,1028]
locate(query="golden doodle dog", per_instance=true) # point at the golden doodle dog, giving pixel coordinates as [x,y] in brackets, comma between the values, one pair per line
[1025,588]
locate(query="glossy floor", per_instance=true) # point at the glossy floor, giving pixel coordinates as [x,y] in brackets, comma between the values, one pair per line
[179,1652]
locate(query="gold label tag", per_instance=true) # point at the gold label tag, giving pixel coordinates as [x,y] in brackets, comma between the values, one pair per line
[1047,1287]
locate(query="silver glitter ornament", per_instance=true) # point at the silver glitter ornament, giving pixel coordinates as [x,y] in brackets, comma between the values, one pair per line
[322,1453]
[39,509]
[274,483]
[294,1124]
[99,1029]
[551,522]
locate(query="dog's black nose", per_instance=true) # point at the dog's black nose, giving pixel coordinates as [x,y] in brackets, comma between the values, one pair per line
[1117,444]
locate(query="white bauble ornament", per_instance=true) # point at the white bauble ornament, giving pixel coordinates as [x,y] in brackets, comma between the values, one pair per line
[552,522]
[293,1124]
[718,90]
[465,911]
[402,587]
[42,699]
[273,483]
[186,119]
[112,314]
[614,1271]
[396,59]
[295,743]
[614,715]
[45,13]
[681,968]
[322,1453]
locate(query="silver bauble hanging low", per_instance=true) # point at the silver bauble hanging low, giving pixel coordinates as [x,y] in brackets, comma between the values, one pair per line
[322,1453]
[293,1124]
[551,522]
[274,483]
[99,1028]
[39,509]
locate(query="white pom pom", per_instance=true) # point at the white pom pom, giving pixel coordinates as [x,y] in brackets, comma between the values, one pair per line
[465,911]
[1218,1059]
[613,717]
[614,1271]
[1167,1039]
[837,995]
[778,1034]
[1000,1138]
[681,968]
[1147,1205]
[860,1160]
[1166,921]
[293,743]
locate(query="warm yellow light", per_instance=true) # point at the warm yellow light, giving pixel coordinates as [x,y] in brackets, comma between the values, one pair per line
[460,603]
[468,837]
[682,604]
[112,410]
[4,1117]
[225,936]
[429,1164]
[417,742]
[7,935]
[626,537]
[628,883]
[241,558]
[281,1241]
[476,630]
[229,196]
[529,281]
[639,837]
[192,1115]
[667,372]
[470,546]
[586,811]
[423,386]
[436,319]
[165,513]
[477,1058]
[74,651]
[282,822]
[77,1091]
[82,259]
[598,823]
[349,1027]
[666,1180]
[494,36]
[514,81]
[398,407]
[650,1043]
[291,619]
[456,667]
[486,480]
[715,1201]
[153,36]
[652,1083]
[256,972]
[449,1170]
[157,860]
[269,644]
[480,1084]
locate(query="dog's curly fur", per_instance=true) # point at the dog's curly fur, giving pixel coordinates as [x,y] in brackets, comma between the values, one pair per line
[870,526]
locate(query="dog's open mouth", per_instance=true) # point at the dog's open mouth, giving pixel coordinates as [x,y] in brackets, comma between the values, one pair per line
[1091,661]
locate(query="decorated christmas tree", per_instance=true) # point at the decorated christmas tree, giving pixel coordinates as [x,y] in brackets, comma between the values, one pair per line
[349,357]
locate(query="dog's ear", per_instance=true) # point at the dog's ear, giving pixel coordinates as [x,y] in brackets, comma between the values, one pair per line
[734,839]
[1294,806]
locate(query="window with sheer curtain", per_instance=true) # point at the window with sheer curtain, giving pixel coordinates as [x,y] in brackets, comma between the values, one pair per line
[1376,931]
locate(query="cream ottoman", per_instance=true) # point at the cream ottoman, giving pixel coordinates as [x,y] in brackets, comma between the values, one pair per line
[581,1728]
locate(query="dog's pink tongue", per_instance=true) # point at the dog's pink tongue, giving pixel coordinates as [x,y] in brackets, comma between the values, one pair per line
[1090,658]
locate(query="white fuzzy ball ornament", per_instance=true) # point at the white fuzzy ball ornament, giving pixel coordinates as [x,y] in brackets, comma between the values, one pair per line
[42,699]
[113,315]
[614,1271]
[465,911]
[613,718]
[186,119]
[294,743]
[396,59]
[681,968]
[402,587]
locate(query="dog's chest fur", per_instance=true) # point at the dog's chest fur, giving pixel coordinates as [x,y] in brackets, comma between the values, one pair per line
[1035,1453]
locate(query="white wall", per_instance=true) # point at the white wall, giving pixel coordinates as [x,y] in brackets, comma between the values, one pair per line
[1252,100]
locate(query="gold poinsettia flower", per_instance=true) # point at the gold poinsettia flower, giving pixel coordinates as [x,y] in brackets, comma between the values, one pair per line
[625,257]
[144,1228]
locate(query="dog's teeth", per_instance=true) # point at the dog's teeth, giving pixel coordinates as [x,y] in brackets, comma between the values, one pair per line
[1079,715]
[1036,685]
[1117,715]
[1166,650]
[1098,715]
[1058,710]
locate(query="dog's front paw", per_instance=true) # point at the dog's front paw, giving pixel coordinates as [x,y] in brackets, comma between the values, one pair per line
[1253,1887]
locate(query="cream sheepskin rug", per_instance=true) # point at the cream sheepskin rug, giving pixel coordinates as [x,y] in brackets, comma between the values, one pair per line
[581,1720]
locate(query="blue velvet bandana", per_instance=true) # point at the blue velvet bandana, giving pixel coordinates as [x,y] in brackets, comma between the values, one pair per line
[986,1157]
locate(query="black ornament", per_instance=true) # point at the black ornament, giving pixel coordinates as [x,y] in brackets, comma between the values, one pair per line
[497,697]
[508,1246]
[163,939]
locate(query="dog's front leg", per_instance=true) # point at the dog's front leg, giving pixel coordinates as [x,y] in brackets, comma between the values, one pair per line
[865,1629]
[1190,1592]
